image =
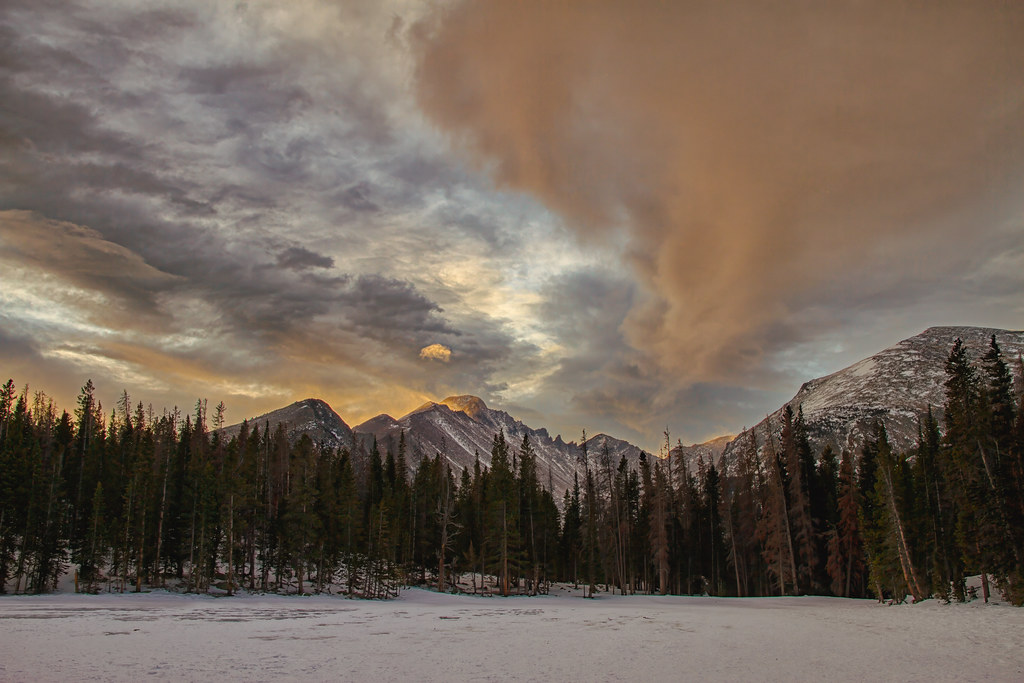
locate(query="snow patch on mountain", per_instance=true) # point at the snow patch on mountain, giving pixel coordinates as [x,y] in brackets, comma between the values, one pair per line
[462,428]
[310,416]
[896,385]
[707,452]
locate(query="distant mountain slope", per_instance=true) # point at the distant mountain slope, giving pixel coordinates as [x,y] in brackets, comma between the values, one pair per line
[709,451]
[617,449]
[895,385]
[461,427]
[311,416]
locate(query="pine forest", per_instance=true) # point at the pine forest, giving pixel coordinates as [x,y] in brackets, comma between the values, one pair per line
[127,499]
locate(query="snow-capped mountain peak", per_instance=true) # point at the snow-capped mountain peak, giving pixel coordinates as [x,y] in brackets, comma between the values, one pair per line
[470,405]
[896,385]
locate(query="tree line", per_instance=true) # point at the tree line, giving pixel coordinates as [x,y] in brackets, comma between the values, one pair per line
[131,499]
[885,523]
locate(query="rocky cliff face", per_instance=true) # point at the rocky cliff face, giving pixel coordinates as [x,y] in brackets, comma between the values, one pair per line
[311,416]
[896,386]
[459,427]
[463,428]
[709,452]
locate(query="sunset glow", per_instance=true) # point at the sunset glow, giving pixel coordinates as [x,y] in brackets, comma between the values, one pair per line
[615,216]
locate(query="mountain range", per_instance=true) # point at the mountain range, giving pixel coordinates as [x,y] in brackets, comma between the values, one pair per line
[462,428]
[896,385]
[311,416]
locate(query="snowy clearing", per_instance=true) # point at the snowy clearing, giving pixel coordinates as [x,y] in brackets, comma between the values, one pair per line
[426,636]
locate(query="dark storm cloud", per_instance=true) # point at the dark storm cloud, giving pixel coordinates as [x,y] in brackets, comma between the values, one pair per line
[211,188]
[604,379]
[245,81]
[53,144]
[14,348]
[357,197]
[37,124]
[300,258]
[383,304]
[589,305]
[81,257]
[18,54]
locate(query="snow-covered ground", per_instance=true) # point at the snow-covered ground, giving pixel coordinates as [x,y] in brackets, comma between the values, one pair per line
[425,636]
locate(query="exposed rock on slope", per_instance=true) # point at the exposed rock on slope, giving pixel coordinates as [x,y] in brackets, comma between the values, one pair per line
[709,451]
[462,427]
[617,449]
[311,416]
[895,385]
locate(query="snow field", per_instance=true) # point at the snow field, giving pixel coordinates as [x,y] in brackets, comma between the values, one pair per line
[426,636]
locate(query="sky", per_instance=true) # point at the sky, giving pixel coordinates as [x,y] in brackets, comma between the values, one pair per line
[614,216]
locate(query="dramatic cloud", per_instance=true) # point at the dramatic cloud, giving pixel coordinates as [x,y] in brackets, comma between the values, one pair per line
[772,169]
[620,216]
[300,258]
[241,202]
[436,352]
[81,259]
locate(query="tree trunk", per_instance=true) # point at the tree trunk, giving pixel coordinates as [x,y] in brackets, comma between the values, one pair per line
[192,549]
[909,575]
[849,570]
[440,566]
[160,518]
[231,544]
[127,537]
[504,551]
[142,544]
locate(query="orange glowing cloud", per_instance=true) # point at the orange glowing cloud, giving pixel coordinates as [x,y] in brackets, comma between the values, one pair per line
[438,352]
[770,167]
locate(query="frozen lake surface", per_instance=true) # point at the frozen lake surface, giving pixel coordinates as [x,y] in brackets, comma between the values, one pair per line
[425,636]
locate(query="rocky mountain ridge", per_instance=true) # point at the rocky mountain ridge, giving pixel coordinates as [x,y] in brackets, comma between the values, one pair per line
[896,385]
[310,416]
[708,452]
[462,428]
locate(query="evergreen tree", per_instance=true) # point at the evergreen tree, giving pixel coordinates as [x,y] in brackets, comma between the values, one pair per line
[969,468]
[572,538]
[845,552]
[716,545]
[743,507]
[529,509]
[642,528]
[301,527]
[659,540]
[590,517]
[1000,400]
[935,505]
[502,514]
[774,530]
[796,452]
[998,452]
[891,553]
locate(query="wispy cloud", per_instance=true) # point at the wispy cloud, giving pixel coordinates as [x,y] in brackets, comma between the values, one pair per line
[234,201]
[770,169]
[628,218]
